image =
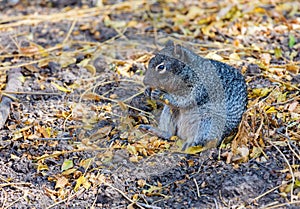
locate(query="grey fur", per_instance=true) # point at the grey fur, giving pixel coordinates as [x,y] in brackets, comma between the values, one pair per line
[204,99]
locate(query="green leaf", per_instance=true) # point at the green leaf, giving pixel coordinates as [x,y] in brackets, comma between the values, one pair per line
[292,41]
[66,165]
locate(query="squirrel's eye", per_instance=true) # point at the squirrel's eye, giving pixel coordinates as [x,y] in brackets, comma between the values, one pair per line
[161,68]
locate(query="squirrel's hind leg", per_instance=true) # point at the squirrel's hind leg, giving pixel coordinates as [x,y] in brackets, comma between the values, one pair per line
[208,134]
[166,128]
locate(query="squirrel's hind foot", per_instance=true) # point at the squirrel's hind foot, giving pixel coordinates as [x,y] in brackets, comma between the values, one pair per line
[155,131]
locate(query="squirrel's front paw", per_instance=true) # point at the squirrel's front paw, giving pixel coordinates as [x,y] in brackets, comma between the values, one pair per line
[154,94]
[157,94]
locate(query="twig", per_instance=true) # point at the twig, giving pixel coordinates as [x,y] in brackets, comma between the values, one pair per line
[269,191]
[13,184]
[283,204]
[149,206]
[289,144]
[281,81]
[14,202]
[70,31]
[67,152]
[5,199]
[222,199]
[112,100]
[56,139]
[31,93]
[197,187]
[287,101]
[94,202]
[133,96]
[123,194]
[24,64]
[67,199]
[216,203]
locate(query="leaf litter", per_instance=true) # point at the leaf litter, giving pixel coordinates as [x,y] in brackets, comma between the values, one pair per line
[73,131]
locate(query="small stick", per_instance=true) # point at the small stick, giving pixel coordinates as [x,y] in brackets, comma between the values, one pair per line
[70,31]
[289,166]
[197,187]
[31,93]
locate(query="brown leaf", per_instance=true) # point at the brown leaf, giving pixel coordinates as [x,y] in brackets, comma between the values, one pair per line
[61,182]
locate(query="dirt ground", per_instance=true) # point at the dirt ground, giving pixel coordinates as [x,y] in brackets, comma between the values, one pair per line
[71,78]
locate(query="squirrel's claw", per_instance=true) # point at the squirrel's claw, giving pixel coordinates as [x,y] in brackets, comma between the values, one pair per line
[147,92]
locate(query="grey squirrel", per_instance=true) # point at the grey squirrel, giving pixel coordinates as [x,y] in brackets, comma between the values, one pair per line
[204,99]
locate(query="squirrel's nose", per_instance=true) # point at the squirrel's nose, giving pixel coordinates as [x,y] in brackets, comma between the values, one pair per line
[148,80]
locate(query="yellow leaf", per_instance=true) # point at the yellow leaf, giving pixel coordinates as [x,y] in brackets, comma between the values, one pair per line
[82,181]
[130,206]
[293,68]
[32,68]
[271,110]
[135,197]
[43,62]
[194,11]
[265,59]
[289,187]
[14,157]
[234,57]
[42,167]
[86,163]
[141,183]
[91,69]
[61,88]
[17,135]
[91,96]
[261,92]
[66,60]
[131,149]
[152,189]
[114,24]
[265,92]
[84,62]
[214,56]
[278,52]
[132,23]
[43,131]
[134,158]
[194,150]
[297,183]
[69,171]
[281,97]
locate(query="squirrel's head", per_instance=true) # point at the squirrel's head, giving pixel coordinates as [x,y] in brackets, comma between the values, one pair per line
[167,74]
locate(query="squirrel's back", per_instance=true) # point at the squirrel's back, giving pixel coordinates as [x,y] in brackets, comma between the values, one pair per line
[235,90]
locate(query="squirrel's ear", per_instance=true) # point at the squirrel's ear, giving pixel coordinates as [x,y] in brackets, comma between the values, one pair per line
[170,43]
